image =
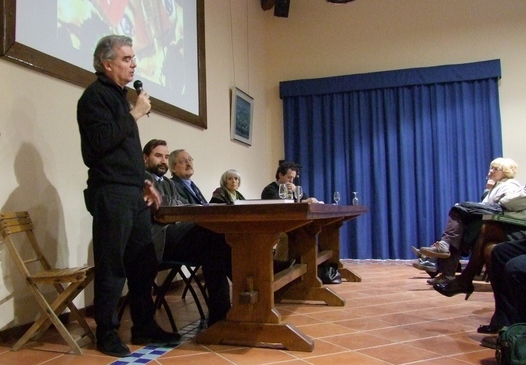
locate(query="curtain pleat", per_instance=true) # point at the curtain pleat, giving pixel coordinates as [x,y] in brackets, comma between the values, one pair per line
[410,151]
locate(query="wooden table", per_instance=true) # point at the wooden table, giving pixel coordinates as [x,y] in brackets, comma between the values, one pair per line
[252,231]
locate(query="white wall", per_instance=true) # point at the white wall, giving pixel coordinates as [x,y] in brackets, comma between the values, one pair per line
[41,168]
[40,163]
[319,40]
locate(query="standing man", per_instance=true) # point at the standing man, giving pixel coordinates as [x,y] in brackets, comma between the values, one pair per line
[186,241]
[182,168]
[118,196]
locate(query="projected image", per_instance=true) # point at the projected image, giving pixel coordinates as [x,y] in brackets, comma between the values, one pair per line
[167,65]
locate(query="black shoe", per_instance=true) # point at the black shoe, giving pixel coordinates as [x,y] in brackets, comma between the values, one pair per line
[154,334]
[454,287]
[282,265]
[110,344]
[488,329]
[489,341]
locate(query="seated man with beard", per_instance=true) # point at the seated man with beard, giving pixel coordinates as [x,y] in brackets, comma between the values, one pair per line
[186,241]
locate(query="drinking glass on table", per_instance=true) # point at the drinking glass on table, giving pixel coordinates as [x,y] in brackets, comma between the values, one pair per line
[336,197]
[355,200]
[299,193]
[283,191]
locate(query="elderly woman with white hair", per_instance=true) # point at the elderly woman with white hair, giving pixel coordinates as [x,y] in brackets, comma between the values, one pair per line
[466,218]
[228,192]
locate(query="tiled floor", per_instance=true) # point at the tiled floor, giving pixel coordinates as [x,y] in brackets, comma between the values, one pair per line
[391,317]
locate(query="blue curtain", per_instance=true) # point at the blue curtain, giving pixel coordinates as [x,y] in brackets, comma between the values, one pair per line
[410,142]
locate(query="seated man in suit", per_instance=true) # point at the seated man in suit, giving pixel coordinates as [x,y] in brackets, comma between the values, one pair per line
[186,241]
[285,174]
[182,168]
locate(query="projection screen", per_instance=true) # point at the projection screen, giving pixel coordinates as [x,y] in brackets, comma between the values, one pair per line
[58,37]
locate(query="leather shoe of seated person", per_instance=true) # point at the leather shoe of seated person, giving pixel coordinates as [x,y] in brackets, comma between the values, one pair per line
[490,329]
[489,341]
[282,265]
[153,334]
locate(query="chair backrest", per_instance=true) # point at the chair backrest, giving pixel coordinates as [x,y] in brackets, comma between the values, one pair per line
[17,223]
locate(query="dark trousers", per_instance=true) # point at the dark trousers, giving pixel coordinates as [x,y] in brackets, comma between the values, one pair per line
[461,236]
[454,229]
[122,249]
[516,279]
[508,280]
[190,243]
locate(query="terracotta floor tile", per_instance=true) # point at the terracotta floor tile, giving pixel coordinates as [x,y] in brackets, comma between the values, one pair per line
[392,317]
[399,353]
[256,356]
[445,345]
[324,329]
[357,341]
[346,358]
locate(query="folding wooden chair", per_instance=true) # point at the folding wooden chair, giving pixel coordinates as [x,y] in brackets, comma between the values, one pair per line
[68,282]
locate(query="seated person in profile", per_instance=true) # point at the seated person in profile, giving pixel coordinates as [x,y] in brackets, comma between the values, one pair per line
[186,241]
[227,192]
[461,227]
[491,234]
[508,280]
[285,174]
[181,165]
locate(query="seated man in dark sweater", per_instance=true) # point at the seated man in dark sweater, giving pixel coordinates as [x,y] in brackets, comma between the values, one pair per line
[186,241]
[508,281]
[285,174]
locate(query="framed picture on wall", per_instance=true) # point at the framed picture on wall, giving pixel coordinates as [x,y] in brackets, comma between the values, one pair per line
[241,116]
[58,38]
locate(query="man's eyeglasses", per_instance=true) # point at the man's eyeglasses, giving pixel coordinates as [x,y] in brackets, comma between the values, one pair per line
[185,161]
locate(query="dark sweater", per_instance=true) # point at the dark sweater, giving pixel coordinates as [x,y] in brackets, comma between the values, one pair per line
[110,143]
[271,191]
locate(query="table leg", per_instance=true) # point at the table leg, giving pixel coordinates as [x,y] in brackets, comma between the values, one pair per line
[253,318]
[329,239]
[257,334]
[303,243]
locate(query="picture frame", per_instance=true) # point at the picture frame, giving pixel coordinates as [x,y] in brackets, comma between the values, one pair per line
[191,107]
[242,115]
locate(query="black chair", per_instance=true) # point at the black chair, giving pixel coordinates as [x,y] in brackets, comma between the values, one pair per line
[160,291]
[192,270]
[175,268]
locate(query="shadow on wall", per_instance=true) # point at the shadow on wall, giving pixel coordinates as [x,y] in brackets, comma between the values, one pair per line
[36,195]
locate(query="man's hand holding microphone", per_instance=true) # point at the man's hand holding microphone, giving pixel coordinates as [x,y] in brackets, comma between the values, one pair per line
[143,104]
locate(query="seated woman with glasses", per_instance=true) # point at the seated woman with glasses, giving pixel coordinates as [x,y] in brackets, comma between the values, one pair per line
[492,234]
[227,192]
[462,228]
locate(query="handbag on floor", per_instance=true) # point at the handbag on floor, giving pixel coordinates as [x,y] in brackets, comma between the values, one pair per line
[329,273]
[511,345]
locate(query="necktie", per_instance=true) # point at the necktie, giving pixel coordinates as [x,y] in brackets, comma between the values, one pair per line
[197,193]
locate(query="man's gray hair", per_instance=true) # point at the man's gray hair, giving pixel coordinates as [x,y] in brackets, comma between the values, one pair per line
[105,49]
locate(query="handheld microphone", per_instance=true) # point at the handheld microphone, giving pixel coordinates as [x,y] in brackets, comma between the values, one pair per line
[138,88]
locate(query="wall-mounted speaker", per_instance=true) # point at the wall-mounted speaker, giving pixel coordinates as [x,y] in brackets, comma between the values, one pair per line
[281,8]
